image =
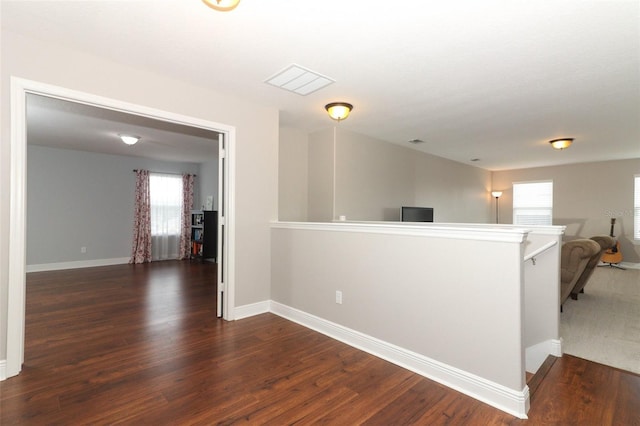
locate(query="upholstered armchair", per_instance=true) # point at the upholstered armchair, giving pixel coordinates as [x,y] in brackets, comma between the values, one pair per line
[605,242]
[574,257]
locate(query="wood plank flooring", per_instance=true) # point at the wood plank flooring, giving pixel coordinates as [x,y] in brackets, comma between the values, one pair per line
[140,344]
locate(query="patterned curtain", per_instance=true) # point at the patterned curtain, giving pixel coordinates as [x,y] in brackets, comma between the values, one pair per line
[187,206]
[141,247]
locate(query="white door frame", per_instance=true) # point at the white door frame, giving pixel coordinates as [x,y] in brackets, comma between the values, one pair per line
[220,223]
[17,216]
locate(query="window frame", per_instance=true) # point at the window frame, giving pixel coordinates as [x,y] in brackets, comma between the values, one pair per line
[533,207]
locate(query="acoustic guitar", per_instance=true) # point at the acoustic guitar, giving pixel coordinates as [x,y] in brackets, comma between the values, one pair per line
[613,254]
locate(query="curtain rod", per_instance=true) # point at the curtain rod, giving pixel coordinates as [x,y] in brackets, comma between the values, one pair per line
[166,173]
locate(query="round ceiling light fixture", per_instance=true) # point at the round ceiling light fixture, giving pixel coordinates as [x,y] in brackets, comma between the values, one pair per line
[129,139]
[338,110]
[222,5]
[561,143]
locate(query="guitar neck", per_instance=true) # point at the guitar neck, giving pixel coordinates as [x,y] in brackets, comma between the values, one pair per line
[613,224]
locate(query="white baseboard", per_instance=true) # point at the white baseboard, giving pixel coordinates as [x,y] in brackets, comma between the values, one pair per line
[508,400]
[246,311]
[626,265]
[3,369]
[536,355]
[630,265]
[76,264]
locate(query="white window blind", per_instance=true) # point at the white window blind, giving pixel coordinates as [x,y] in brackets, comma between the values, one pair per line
[636,208]
[533,203]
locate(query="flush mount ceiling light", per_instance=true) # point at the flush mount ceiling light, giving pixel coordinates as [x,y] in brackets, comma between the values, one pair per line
[338,110]
[130,140]
[222,5]
[561,143]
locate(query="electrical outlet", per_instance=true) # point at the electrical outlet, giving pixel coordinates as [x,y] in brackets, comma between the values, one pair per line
[83,249]
[338,297]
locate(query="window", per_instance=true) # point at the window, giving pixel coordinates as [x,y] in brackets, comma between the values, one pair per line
[165,199]
[533,203]
[636,209]
[166,204]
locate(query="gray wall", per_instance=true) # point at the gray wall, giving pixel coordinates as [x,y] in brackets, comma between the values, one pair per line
[82,199]
[373,178]
[364,178]
[254,155]
[293,175]
[458,193]
[410,291]
[585,198]
[321,176]
[207,183]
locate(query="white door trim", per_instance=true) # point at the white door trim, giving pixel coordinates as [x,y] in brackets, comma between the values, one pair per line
[221,257]
[17,216]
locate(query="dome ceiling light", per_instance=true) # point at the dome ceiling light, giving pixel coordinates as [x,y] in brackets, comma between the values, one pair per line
[222,5]
[561,143]
[338,110]
[129,139]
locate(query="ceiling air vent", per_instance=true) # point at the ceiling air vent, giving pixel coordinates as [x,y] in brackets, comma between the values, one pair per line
[297,79]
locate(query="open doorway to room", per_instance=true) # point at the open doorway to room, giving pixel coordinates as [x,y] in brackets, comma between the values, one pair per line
[81,184]
[62,110]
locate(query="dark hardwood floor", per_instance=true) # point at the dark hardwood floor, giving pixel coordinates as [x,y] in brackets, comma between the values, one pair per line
[140,344]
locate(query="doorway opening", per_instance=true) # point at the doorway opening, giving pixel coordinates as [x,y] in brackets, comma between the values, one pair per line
[20,88]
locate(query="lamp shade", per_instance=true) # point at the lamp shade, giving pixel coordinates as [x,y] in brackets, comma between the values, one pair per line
[561,143]
[222,5]
[496,194]
[338,110]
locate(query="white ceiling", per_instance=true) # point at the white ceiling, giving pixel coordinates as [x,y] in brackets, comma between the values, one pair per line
[68,125]
[492,80]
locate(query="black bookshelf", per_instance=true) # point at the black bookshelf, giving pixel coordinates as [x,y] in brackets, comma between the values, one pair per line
[204,234]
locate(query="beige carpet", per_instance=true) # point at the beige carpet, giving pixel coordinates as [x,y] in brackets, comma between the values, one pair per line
[603,325]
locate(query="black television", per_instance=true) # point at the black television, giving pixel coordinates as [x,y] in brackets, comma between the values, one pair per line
[416,214]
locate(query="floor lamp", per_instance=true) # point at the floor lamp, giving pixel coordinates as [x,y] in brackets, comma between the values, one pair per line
[496,194]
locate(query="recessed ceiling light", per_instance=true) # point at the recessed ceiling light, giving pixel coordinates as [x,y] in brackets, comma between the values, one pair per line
[130,139]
